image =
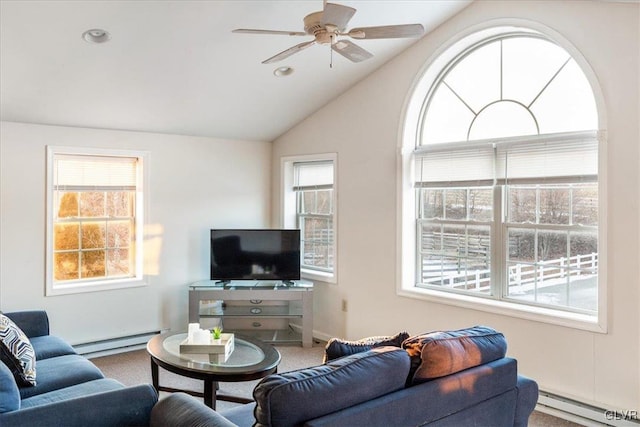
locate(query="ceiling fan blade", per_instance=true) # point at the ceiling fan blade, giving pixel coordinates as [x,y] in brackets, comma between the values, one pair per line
[273,32]
[387,32]
[337,15]
[287,53]
[351,51]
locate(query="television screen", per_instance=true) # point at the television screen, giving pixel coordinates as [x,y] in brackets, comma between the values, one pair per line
[255,255]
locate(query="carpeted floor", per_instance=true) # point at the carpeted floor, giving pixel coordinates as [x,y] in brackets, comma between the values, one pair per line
[134,368]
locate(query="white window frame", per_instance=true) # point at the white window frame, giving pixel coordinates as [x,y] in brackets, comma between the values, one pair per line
[289,208]
[101,284]
[406,235]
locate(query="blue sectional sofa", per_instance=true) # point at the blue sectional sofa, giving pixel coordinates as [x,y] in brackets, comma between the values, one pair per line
[70,390]
[454,378]
[458,378]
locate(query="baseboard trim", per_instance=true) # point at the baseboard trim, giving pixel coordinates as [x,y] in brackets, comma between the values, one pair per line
[115,345]
[321,336]
[315,335]
[583,413]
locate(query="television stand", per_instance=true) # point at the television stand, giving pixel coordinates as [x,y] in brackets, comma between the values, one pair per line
[269,310]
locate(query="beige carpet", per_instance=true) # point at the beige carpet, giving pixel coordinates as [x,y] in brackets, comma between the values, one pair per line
[134,367]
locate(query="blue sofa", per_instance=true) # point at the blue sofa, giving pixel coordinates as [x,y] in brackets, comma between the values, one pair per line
[383,386]
[70,390]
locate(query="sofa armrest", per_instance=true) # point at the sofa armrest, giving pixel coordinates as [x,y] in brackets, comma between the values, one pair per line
[129,406]
[34,323]
[527,400]
[180,409]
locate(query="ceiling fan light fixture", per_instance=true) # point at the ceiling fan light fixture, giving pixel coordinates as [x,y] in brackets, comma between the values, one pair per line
[96,36]
[283,71]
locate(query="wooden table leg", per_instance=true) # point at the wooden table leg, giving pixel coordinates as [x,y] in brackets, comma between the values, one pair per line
[154,376]
[210,388]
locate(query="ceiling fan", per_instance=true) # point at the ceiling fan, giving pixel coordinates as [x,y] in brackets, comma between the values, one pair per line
[327,25]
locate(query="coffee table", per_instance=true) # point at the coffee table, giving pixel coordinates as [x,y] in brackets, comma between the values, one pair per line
[251,359]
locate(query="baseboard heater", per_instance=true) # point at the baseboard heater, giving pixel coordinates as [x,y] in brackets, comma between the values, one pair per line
[115,345]
[585,414]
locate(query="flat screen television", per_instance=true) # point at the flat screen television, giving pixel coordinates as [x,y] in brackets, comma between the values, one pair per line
[259,254]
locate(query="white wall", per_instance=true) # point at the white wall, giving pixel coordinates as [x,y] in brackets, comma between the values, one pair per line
[362,126]
[195,184]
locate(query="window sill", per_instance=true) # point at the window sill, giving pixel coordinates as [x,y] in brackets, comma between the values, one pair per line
[318,276]
[521,311]
[79,288]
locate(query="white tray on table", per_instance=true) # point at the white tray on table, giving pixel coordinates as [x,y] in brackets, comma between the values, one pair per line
[218,350]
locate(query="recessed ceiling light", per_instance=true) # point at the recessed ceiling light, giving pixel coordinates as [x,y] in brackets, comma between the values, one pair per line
[283,71]
[96,35]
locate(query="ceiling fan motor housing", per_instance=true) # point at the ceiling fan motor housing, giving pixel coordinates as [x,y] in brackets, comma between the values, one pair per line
[313,25]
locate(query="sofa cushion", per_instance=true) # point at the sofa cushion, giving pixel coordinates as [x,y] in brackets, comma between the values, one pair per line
[17,352]
[337,347]
[291,398]
[72,392]
[59,372]
[437,354]
[240,415]
[180,409]
[9,394]
[34,323]
[47,346]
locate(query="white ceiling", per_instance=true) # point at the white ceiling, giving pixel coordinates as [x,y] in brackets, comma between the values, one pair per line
[175,67]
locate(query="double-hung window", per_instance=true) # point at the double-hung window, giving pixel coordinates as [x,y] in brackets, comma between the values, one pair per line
[95,220]
[506,180]
[309,204]
[522,213]
[313,185]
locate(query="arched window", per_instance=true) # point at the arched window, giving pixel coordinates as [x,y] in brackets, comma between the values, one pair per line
[512,85]
[505,176]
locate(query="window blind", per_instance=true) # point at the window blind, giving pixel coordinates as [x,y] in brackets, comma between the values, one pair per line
[570,160]
[100,173]
[313,176]
[560,158]
[459,167]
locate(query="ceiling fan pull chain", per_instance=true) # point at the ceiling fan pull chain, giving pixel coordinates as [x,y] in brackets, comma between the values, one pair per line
[330,57]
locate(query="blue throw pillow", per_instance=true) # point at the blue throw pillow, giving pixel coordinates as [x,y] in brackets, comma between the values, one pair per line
[17,352]
[337,347]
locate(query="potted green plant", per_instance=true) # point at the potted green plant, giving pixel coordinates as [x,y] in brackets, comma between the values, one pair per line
[216,332]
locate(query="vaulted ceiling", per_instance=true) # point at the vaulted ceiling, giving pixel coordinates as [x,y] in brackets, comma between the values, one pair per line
[175,66]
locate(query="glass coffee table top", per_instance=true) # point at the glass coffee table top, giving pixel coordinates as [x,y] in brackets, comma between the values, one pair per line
[244,353]
[250,356]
